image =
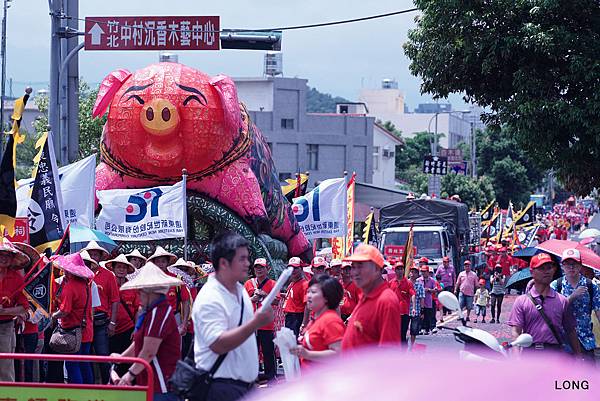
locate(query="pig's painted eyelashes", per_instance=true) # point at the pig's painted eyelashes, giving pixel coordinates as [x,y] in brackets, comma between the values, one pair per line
[136,97]
[193,97]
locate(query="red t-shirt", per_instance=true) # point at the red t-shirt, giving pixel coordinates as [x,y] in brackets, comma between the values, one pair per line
[72,301]
[10,283]
[351,296]
[108,290]
[172,295]
[375,320]
[193,295]
[251,286]
[131,299]
[504,261]
[323,331]
[403,289]
[159,322]
[295,297]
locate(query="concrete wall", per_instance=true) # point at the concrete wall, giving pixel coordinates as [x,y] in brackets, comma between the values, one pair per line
[384,168]
[344,142]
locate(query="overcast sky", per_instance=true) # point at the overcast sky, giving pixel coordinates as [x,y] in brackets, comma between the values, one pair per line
[339,59]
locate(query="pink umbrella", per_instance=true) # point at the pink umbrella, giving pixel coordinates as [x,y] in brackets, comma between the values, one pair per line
[392,374]
[557,247]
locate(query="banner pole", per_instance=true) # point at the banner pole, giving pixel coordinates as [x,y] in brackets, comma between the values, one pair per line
[184,175]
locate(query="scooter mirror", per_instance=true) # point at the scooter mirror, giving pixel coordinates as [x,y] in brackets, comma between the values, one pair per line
[524,340]
[449,300]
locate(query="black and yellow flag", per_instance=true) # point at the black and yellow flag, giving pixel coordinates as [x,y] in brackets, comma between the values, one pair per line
[487,213]
[526,216]
[45,207]
[295,187]
[8,193]
[370,230]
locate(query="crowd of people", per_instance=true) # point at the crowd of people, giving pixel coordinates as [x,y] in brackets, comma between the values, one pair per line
[163,308]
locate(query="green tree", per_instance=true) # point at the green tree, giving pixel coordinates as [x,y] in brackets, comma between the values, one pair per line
[534,64]
[495,144]
[510,182]
[90,129]
[475,193]
[414,150]
[317,102]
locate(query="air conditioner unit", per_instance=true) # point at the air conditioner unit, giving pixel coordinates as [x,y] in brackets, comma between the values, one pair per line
[388,153]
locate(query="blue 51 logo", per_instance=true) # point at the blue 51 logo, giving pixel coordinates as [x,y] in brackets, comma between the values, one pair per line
[301,208]
[141,201]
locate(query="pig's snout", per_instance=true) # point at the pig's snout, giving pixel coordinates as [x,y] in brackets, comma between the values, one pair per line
[159,117]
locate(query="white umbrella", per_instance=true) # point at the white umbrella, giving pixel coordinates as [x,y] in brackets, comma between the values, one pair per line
[589,233]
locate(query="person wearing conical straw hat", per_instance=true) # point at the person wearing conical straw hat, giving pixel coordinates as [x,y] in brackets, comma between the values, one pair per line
[75,310]
[12,304]
[129,304]
[136,259]
[225,323]
[105,314]
[97,253]
[155,338]
[183,270]
[179,298]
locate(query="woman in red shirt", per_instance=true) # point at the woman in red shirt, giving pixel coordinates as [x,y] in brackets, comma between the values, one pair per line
[322,337]
[75,310]
[156,338]
[129,303]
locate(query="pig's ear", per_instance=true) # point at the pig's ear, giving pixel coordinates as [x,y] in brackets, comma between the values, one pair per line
[109,86]
[231,106]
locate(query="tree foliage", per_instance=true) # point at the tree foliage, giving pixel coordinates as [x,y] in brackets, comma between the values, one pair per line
[475,193]
[533,63]
[317,102]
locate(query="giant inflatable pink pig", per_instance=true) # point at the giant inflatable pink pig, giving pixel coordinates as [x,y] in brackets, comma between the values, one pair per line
[166,117]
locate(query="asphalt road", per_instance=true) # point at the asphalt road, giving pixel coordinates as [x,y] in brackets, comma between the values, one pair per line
[444,339]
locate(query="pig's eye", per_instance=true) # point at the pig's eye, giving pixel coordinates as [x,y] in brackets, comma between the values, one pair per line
[136,97]
[196,98]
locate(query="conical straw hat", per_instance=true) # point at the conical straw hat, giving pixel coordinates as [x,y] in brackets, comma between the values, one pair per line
[160,251]
[150,277]
[94,246]
[87,258]
[136,254]
[120,259]
[20,259]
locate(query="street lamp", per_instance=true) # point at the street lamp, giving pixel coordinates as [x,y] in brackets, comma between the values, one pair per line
[434,180]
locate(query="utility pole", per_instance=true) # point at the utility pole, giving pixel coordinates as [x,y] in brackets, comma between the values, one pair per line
[6,5]
[473,149]
[55,58]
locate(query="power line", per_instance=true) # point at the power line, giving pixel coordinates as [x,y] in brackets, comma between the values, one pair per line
[284,28]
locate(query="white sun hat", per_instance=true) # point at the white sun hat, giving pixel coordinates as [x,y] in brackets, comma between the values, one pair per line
[151,278]
[160,251]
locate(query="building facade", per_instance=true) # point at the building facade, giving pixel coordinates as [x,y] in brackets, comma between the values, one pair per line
[384,157]
[325,145]
[387,104]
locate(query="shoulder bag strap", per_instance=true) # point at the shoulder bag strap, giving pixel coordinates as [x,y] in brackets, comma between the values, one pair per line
[540,309]
[221,358]
[87,297]
[132,317]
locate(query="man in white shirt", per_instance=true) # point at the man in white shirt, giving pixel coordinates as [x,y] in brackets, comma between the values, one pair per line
[216,314]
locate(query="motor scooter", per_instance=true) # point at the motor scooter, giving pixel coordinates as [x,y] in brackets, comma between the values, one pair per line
[478,344]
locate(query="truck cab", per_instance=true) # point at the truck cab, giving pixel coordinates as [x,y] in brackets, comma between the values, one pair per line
[431,242]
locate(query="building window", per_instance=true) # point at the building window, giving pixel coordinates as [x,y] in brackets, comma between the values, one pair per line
[313,157]
[375,157]
[287,123]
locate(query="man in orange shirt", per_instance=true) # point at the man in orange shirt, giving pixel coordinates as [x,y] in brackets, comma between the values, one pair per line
[295,297]
[351,292]
[404,290]
[258,288]
[376,318]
